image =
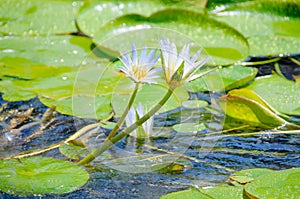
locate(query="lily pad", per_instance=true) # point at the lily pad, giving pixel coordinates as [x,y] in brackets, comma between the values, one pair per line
[249,110]
[74,149]
[189,127]
[149,96]
[225,192]
[96,13]
[270,26]
[220,41]
[191,193]
[279,184]
[22,53]
[194,104]
[32,17]
[280,93]
[40,175]
[248,175]
[140,163]
[225,78]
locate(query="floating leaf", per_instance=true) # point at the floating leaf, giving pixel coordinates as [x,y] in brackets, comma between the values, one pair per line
[225,192]
[149,95]
[249,110]
[26,54]
[226,78]
[96,13]
[191,193]
[271,26]
[40,175]
[278,184]
[280,93]
[74,149]
[189,127]
[220,41]
[194,104]
[134,163]
[248,175]
[32,17]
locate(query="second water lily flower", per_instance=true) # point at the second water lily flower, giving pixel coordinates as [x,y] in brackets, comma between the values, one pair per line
[180,68]
[140,69]
[133,115]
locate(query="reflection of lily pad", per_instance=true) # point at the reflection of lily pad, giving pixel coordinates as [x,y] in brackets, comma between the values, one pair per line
[279,184]
[40,175]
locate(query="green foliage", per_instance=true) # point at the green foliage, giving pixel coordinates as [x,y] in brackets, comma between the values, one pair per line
[280,93]
[245,105]
[34,17]
[270,26]
[260,183]
[189,127]
[40,175]
[225,78]
[124,31]
[278,184]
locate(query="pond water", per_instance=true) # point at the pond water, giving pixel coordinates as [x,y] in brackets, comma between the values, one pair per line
[209,164]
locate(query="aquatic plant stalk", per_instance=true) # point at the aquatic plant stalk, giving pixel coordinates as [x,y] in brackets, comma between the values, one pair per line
[109,143]
[121,120]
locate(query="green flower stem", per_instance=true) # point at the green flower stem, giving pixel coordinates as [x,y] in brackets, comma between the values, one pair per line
[109,143]
[258,62]
[121,120]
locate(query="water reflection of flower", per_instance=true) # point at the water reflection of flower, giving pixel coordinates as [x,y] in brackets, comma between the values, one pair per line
[134,115]
[140,69]
[180,68]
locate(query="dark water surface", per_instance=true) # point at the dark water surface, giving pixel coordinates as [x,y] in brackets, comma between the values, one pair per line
[213,158]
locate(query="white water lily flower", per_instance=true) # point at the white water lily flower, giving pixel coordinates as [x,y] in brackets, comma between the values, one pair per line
[140,69]
[180,68]
[134,115]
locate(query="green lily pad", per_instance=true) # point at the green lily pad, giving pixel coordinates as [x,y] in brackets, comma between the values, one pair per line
[279,184]
[248,175]
[249,110]
[270,26]
[191,193]
[149,96]
[40,175]
[139,163]
[74,149]
[32,17]
[27,53]
[96,13]
[280,93]
[225,78]
[220,41]
[194,104]
[189,127]
[225,192]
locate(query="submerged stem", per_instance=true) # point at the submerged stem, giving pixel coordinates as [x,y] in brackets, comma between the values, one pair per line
[109,143]
[121,120]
